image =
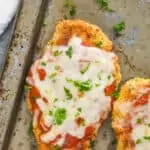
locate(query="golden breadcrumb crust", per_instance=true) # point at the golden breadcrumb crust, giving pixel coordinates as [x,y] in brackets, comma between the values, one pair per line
[90,35]
[128,92]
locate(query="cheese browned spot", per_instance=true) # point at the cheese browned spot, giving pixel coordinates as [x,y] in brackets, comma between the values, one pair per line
[74,84]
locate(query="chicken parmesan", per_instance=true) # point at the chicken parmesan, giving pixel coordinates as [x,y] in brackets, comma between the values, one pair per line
[71,86]
[131,115]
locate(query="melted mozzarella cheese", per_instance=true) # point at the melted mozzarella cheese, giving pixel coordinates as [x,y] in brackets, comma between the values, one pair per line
[141,130]
[93,103]
[140,120]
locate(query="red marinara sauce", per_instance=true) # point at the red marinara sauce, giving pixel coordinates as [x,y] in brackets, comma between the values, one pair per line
[110,89]
[41,73]
[143,99]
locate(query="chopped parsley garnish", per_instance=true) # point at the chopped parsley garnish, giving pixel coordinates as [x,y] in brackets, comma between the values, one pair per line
[43,63]
[53,75]
[68,3]
[79,109]
[118,28]
[99,44]
[30,129]
[83,122]
[57,67]
[109,77]
[68,93]
[69,52]
[59,116]
[93,144]
[99,75]
[83,86]
[138,141]
[104,5]
[50,113]
[147,138]
[148,124]
[56,147]
[27,88]
[138,121]
[116,94]
[57,53]
[69,80]
[55,100]
[85,69]
[71,8]
[97,84]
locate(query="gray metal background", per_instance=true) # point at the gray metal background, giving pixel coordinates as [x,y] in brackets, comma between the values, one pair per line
[29,39]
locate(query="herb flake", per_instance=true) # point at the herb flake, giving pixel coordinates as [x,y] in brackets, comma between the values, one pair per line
[99,44]
[85,69]
[69,52]
[138,141]
[57,53]
[138,121]
[30,129]
[68,93]
[27,88]
[53,75]
[118,28]
[59,116]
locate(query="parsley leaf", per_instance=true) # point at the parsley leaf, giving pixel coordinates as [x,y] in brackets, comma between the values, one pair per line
[99,44]
[148,124]
[99,75]
[83,86]
[79,110]
[119,27]
[147,138]
[68,93]
[93,144]
[43,63]
[104,5]
[56,147]
[69,52]
[53,75]
[59,116]
[57,53]
[116,93]
[27,88]
[138,121]
[72,10]
[138,141]
[85,69]
[30,129]
[68,3]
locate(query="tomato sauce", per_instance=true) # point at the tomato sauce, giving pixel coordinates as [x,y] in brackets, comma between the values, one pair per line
[70,141]
[41,73]
[110,89]
[142,100]
[89,132]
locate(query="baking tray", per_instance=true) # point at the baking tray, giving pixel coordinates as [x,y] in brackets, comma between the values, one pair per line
[35,27]
[5,39]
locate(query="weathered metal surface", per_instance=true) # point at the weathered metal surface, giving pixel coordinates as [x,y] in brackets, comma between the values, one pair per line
[132,48]
[5,40]
[20,55]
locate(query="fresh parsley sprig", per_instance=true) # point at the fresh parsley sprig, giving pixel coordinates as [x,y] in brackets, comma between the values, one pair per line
[119,27]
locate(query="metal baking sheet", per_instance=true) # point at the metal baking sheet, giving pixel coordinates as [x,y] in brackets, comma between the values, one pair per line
[132,48]
[5,40]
